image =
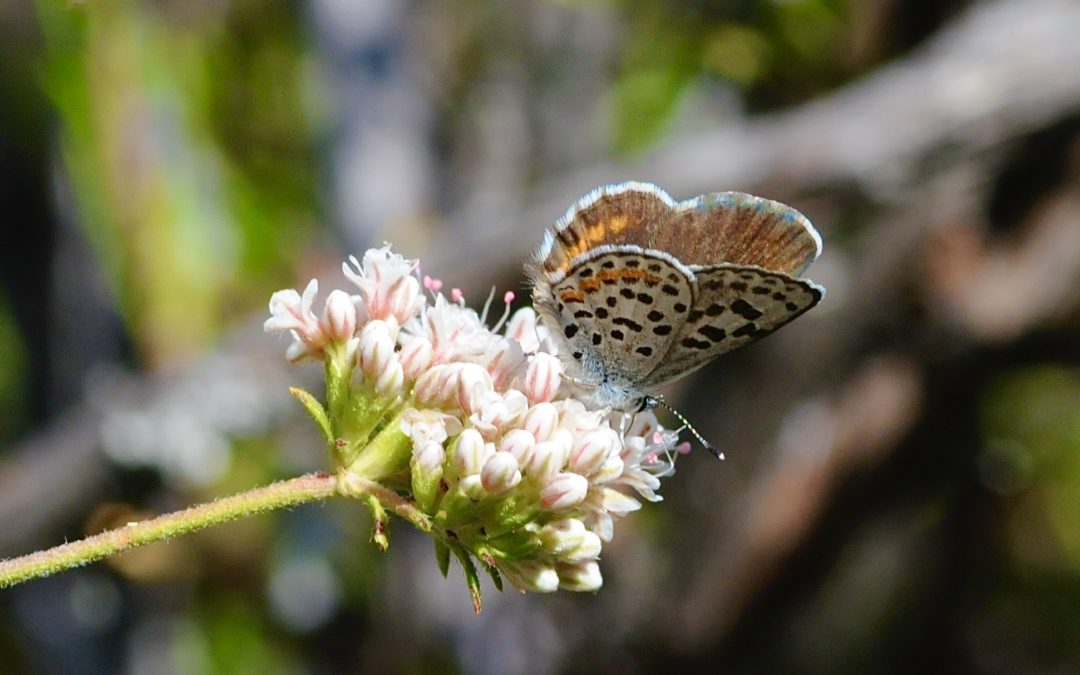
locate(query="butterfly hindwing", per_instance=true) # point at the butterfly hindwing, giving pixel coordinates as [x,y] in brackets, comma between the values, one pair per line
[620,310]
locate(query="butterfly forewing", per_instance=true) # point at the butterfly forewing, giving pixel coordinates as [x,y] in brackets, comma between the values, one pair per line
[734,305]
[621,310]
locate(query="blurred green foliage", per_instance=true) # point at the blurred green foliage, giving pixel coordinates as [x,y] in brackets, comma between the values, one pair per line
[184,139]
[772,52]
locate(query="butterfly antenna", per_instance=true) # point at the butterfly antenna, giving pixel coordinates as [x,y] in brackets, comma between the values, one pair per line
[655,401]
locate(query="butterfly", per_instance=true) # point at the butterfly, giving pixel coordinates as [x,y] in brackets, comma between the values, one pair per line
[637,290]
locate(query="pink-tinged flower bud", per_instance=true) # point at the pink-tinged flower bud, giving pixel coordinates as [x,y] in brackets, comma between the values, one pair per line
[591,450]
[587,549]
[522,327]
[438,386]
[429,457]
[391,380]
[543,377]
[537,576]
[565,440]
[541,421]
[376,351]
[500,473]
[416,356]
[547,459]
[403,298]
[339,316]
[518,443]
[473,382]
[564,491]
[504,360]
[559,537]
[471,452]
[584,577]
[473,487]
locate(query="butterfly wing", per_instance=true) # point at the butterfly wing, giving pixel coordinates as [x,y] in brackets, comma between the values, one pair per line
[619,310]
[734,305]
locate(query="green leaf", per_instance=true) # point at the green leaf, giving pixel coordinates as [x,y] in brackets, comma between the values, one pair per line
[471,576]
[442,555]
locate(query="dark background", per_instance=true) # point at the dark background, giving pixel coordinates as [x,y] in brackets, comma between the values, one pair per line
[902,490]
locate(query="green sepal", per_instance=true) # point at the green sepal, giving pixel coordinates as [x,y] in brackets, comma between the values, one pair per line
[316,410]
[472,579]
[456,509]
[511,514]
[426,487]
[387,454]
[337,374]
[442,556]
[510,546]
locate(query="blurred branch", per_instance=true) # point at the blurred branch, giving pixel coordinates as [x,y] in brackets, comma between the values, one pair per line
[968,89]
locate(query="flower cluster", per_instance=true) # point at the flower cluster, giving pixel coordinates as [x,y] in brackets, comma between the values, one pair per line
[475,426]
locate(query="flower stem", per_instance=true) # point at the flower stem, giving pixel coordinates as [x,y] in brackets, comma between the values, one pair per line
[306,488]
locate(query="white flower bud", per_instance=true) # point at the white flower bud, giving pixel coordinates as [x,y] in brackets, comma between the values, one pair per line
[559,537]
[473,487]
[376,349]
[429,456]
[564,491]
[611,469]
[391,380]
[518,443]
[547,459]
[587,549]
[500,473]
[416,356]
[543,377]
[592,449]
[541,421]
[473,382]
[522,327]
[339,316]
[580,576]
[538,577]
[618,504]
[471,452]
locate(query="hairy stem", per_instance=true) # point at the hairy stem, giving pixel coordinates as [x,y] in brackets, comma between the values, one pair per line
[306,488]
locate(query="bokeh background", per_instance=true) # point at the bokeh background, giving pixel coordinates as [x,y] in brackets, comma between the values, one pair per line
[902,490]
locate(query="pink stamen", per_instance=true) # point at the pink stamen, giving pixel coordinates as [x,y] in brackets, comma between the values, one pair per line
[509,297]
[683,448]
[657,438]
[432,284]
[456,295]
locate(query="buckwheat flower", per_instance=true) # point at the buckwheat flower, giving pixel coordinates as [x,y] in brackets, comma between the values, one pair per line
[471,427]
[496,412]
[291,312]
[387,284]
[429,426]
